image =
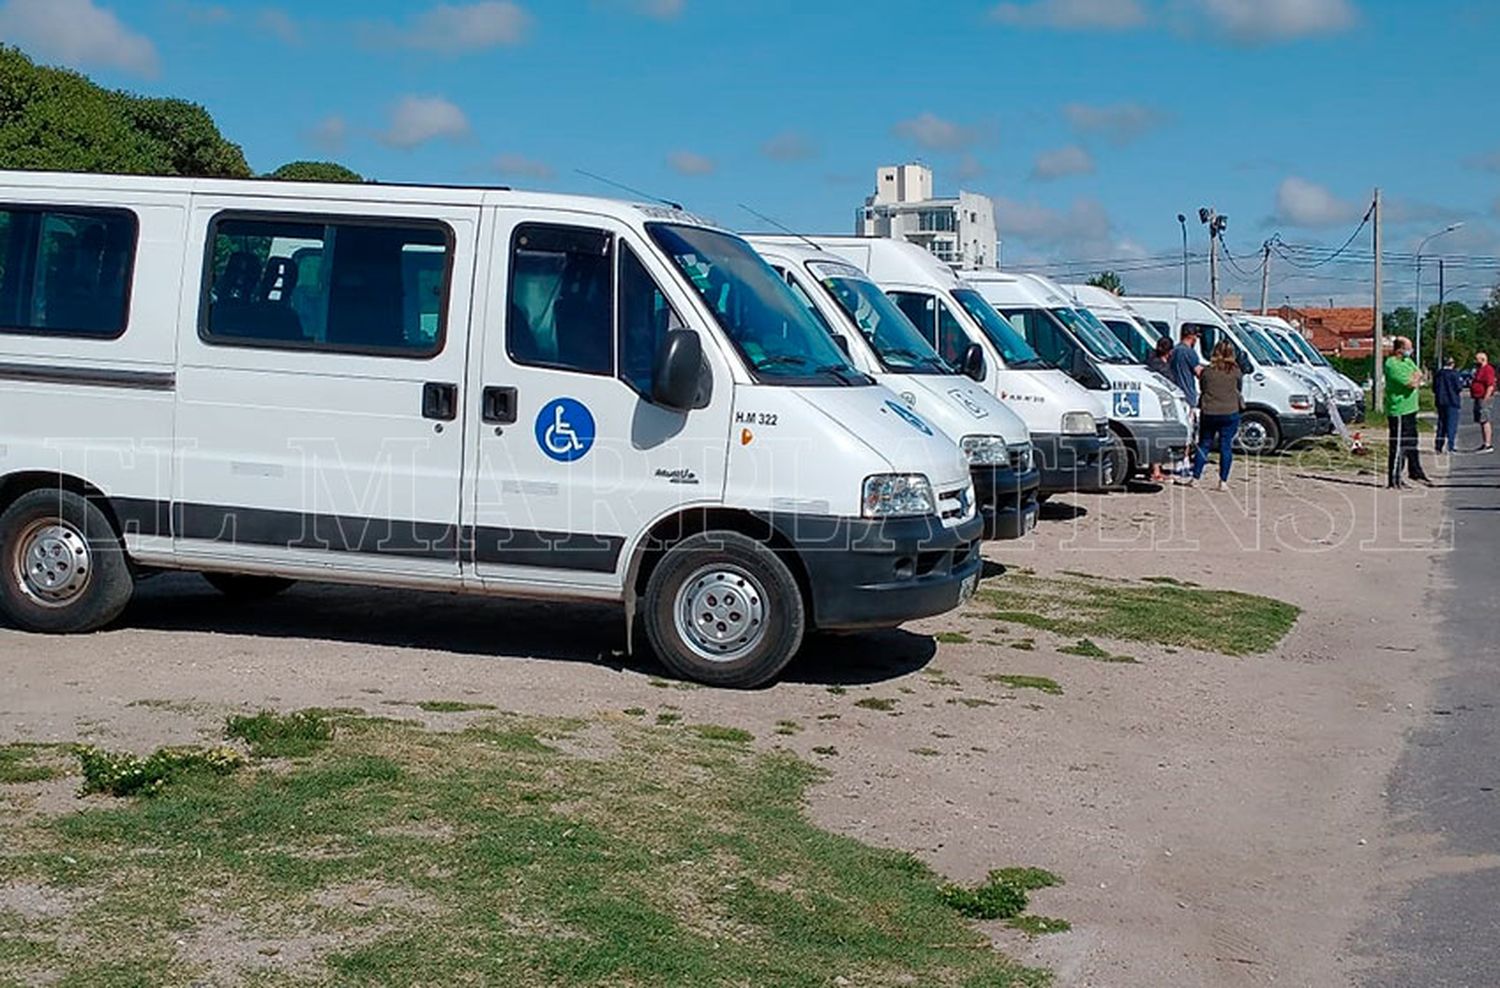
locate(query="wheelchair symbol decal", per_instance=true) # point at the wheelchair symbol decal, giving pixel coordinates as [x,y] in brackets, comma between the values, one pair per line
[1127,404]
[565,429]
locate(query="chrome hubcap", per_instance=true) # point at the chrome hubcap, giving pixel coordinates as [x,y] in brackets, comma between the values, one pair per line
[721,613]
[53,564]
[1253,436]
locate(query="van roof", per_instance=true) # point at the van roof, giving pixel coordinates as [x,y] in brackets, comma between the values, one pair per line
[795,251]
[1099,300]
[883,259]
[1000,288]
[371,192]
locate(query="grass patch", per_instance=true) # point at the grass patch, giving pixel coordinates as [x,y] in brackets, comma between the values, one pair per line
[663,719]
[1016,682]
[635,711]
[1089,649]
[1224,621]
[1169,581]
[837,690]
[973,701]
[394,855]
[788,727]
[1037,926]
[826,750]
[24,762]
[926,752]
[1024,645]
[1332,455]
[672,684]
[883,704]
[273,735]
[451,706]
[120,773]
[951,638]
[1002,895]
[718,732]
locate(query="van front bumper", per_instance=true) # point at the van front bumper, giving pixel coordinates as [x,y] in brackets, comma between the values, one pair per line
[1157,442]
[1075,463]
[1006,499]
[1297,427]
[1352,412]
[878,574]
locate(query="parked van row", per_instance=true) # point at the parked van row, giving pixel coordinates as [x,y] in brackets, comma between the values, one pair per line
[471,390]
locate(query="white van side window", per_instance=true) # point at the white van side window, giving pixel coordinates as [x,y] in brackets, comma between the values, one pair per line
[65,271]
[645,319]
[347,285]
[561,299]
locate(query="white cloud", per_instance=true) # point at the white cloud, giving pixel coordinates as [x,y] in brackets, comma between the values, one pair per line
[790,145]
[1081,230]
[662,10]
[329,134]
[1487,162]
[1253,22]
[969,168]
[1118,122]
[456,29]
[1308,204]
[930,131]
[78,33]
[278,23]
[418,119]
[510,163]
[1062,162]
[203,13]
[689,163]
[1072,15]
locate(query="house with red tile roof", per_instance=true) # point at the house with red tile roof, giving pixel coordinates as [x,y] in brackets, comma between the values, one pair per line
[1343,332]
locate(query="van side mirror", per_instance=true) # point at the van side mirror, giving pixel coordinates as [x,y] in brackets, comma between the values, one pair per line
[972,365]
[677,373]
[842,342]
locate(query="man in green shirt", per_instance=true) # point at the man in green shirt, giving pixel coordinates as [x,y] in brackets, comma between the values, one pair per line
[1402,381]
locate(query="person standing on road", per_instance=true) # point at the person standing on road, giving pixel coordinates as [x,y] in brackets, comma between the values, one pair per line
[1447,397]
[1403,381]
[1221,405]
[1482,390]
[1158,360]
[1184,365]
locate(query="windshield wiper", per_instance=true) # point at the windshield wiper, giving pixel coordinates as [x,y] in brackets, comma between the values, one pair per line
[780,360]
[844,373]
[1030,363]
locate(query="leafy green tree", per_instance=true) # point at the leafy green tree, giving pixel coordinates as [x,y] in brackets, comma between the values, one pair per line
[1109,281]
[315,171]
[57,120]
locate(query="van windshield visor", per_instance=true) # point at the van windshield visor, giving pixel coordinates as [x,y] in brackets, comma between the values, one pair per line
[1090,332]
[899,345]
[1260,348]
[1014,349]
[773,331]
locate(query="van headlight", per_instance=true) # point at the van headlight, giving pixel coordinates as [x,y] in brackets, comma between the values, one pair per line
[896,495]
[1344,396]
[1077,424]
[985,451]
[1300,403]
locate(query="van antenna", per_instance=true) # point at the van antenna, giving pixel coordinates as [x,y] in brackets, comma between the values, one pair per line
[632,191]
[782,227]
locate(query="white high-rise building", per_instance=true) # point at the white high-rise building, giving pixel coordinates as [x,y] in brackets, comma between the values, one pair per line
[959,230]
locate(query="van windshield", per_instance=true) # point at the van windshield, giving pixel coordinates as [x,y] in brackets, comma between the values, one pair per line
[899,345]
[1285,346]
[774,332]
[1093,335]
[1129,334]
[1260,347]
[1014,349]
[1308,350]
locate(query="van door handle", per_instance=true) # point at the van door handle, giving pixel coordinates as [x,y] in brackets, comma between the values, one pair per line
[498,406]
[440,401]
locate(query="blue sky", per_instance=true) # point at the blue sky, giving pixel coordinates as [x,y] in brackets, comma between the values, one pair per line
[1092,123]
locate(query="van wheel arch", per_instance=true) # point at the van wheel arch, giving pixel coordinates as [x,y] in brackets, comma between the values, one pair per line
[17,485]
[1130,448]
[681,525]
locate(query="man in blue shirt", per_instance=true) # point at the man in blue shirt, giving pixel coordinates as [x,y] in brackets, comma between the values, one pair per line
[1448,397]
[1183,368]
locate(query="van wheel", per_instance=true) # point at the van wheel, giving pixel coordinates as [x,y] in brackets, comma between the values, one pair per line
[722,609]
[238,586]
[1259,435]
[64,569]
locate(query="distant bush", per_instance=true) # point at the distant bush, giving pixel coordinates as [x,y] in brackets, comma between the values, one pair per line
[117,773]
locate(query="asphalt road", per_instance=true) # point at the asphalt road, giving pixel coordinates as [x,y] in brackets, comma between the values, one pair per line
[1444,932]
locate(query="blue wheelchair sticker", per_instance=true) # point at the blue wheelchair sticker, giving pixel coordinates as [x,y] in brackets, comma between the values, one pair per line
[565,429]
[905,413]
[1127,404]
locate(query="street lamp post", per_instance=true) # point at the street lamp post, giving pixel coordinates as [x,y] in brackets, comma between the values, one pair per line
[1417,306]
[1182,222]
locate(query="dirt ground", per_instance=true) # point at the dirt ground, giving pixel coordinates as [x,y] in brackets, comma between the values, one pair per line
[1217,819]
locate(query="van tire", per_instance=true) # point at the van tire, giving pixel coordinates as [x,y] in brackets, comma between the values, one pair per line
[762,601]
[243,587]
[1259,425]
[83,579]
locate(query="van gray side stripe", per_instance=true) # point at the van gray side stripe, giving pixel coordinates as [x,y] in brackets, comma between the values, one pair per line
[372,536]
[90,377]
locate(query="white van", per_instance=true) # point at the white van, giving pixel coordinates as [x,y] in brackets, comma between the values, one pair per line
[1280,408]
[1151,422]
[1069,425]
[1348,396]
[472,390]
[1128,326]
[883,343]
[1266,350]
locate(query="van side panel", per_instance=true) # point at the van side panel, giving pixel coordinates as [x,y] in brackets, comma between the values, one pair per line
[96,409]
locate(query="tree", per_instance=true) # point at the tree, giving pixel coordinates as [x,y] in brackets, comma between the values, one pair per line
[315,171]
[57,120]
[1109,281]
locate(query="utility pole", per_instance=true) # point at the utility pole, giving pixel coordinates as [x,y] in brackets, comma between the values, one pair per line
[1182,222]
[1378,341]
[1216,225]
[1442,317]
[1265,275]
